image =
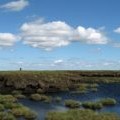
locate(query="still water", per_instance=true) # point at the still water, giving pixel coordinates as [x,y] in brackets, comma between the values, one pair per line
[104,91]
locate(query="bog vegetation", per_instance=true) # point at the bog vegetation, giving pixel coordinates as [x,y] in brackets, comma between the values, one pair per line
[10,109]
[50,81]
[35,84]
[80,115]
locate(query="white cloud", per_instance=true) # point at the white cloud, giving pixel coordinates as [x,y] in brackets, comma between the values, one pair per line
[54,34]
[58,61]
[91,36]
[20,62]
[15,5]
[108,63]
[117,30]
[7,39]
[46,35]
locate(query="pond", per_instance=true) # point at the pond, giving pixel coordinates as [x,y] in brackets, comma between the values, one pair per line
[104,91]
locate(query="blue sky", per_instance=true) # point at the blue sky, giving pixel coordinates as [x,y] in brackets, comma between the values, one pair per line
[59,34]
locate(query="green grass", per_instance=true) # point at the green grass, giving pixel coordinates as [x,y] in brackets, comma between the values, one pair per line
[40,91]
[99,104]
[72,104]
[18,94]
[7,98]
[7,116]
[12,105]
[2,108]
[58,99]
[81,115]
[25,112]
[92,105]
[10,109]
[108,101]
[85,87]
[41,97]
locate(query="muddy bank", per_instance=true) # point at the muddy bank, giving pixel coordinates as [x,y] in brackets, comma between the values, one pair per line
[53,81]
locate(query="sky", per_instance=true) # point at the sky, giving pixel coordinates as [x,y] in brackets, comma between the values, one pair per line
[60,34]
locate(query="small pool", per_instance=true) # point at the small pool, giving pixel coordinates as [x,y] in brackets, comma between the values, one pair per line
[104,91]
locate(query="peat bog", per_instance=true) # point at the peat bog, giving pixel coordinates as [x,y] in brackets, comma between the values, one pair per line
[60,95]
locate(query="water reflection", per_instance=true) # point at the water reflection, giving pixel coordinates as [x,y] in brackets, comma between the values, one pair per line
[106,90]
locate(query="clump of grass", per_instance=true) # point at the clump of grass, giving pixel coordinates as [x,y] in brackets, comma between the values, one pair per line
[24,111]
[36,97]
[99,104]
[6,116]
[108,101]
[41,97]
[18,94]
[30,115]
[58,99]
[2,107]
[85,87]
[12,105]
[7,98]
[72,104]
[76,114]
[10,109]
[92,105]
[40,91]
[82,87]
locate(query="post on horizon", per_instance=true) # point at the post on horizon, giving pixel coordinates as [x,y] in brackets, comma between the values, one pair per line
[20,69]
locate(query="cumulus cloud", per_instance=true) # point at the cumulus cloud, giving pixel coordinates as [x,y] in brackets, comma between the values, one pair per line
[91,36]
[117,30]
[46,35]
[7,39]
[58,61]
[15,5]
[49,35]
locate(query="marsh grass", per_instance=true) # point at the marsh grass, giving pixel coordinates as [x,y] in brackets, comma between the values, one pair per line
[76,114]
[58,99]
[7,98]
[41,97]
[10,109]
[72,104]
[24,111]
[2,108]
[99,104]
[85,88]
[40,91]
[92,105]
[108,101]
[7,116]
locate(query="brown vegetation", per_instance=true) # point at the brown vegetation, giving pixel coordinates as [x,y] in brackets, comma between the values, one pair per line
[53,81]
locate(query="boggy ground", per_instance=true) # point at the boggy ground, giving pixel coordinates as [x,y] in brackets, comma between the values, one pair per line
[52,81]
[76,114]
[36,83]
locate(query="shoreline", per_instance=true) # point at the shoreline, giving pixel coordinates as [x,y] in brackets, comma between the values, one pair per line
[53,81]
